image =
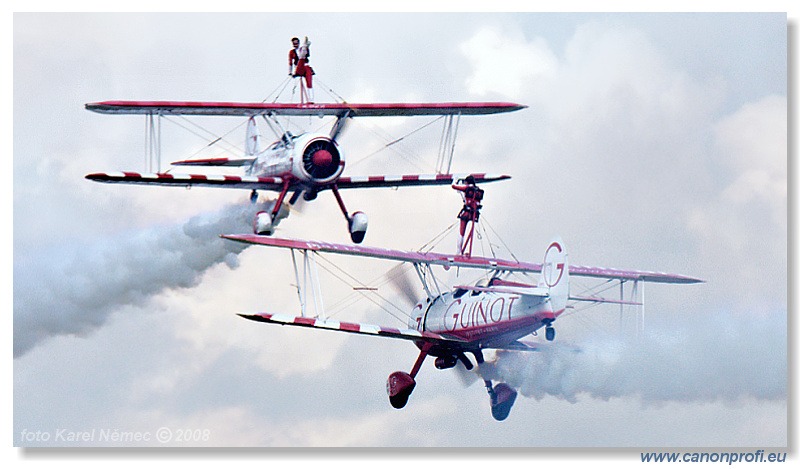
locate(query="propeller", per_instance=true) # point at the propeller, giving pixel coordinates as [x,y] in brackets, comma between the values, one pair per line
[400,278]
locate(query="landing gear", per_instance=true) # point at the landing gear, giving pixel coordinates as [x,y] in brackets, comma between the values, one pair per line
[549,333]
[502,399]
[400,384]
[262,225]
[356,223]
[399,387]
[265,222]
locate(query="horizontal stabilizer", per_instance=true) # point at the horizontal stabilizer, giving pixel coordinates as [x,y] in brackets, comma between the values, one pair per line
[352,327]
[595,299]
[216,162]
[520,346]
[512,290]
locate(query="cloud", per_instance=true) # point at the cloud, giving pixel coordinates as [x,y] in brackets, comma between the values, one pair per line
[742,225]
[506,63]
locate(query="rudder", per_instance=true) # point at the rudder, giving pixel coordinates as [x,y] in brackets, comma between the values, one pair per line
[555,274]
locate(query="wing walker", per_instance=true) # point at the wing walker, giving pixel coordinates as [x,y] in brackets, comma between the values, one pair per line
[451,323]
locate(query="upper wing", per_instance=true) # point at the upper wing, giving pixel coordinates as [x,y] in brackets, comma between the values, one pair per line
[446,260]
[637,275]
[353,327]
[453,260]
[215,162]
[186,180]
[358,182]
[294,109]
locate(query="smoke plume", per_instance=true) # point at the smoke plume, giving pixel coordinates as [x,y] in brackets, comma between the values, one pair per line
[711,358]
[74,289]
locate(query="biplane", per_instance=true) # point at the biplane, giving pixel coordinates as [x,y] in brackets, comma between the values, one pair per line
[496,313]
[303,165]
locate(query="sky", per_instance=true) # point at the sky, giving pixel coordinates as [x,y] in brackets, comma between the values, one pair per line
[650,141]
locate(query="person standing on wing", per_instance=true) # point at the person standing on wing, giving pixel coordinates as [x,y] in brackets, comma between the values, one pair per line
[298,64]
[471,211]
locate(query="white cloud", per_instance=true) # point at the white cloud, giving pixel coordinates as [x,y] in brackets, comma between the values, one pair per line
[743,225]
[504,62]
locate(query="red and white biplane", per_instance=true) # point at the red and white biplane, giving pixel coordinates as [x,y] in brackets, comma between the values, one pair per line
[496,313]
[303,164]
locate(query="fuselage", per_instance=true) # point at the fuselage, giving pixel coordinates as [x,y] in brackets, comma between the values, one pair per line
[483,319]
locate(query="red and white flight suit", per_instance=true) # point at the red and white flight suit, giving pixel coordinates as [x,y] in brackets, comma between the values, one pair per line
[298,59]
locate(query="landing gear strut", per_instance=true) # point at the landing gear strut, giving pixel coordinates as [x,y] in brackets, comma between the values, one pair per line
[356,223]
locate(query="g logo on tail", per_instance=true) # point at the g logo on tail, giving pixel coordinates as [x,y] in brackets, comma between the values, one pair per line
[553,267]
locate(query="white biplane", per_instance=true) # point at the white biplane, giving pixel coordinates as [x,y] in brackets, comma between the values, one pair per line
[447,324]
[304,164]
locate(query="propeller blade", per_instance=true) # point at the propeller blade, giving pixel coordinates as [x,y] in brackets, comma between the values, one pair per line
[400,278]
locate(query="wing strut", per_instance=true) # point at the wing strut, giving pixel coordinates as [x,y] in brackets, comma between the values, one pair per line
[634,296]
[447,145]
[309,279]
[423,271]
[152,143]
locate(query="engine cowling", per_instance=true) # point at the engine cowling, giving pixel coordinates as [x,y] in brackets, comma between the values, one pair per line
[321,160]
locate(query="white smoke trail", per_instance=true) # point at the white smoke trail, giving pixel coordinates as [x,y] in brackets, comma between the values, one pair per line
[712,358]
[74,290]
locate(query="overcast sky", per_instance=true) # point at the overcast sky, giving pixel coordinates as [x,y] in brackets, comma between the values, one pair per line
[651,141]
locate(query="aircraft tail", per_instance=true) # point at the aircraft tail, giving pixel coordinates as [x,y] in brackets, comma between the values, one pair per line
[555,274]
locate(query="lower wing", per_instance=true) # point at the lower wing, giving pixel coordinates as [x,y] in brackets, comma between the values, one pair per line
[439,340]
[187,180]
[358,182]
[354,328]
[276,183]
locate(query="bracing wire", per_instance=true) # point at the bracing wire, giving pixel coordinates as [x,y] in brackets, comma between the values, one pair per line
[217,139]
[390,144]
[282,87]
[353,279]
